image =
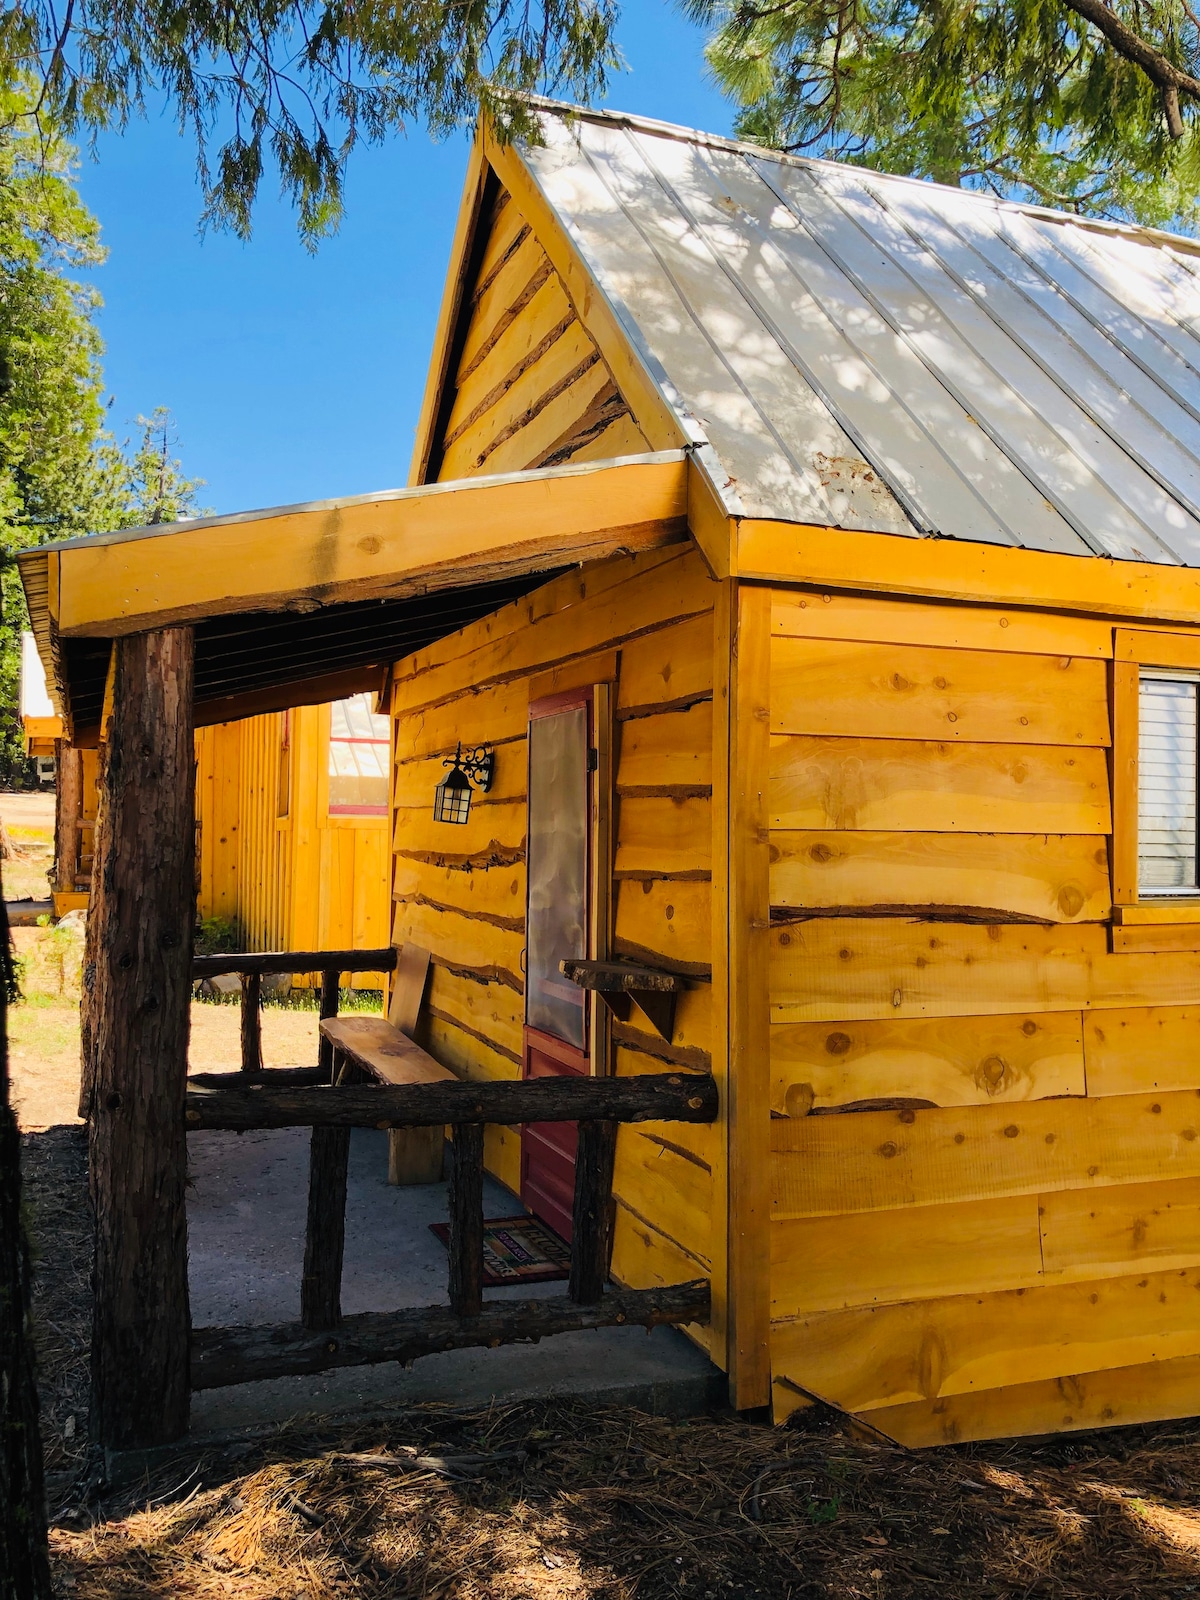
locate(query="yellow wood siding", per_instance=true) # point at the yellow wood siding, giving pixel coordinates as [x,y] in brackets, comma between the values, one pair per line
[300,880]
[460,891]
[985,1167]
[530,388]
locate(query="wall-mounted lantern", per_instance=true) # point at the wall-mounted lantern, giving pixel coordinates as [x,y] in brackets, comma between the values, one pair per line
[452,797]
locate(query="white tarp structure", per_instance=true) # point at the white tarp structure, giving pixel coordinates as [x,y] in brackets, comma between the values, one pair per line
[34,700]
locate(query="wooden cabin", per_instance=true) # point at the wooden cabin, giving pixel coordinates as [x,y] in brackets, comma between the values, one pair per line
[815,555]
[291,819]
[292,827]
[76,777]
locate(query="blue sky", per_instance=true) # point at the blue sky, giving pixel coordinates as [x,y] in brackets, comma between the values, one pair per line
[293,377]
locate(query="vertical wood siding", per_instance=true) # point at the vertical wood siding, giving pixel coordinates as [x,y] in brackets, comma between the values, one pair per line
[301,881]
[985,1168]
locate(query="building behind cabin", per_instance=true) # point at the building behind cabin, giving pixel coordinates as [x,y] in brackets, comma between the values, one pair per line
[292,828]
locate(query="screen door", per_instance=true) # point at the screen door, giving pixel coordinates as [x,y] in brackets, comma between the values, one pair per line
[556,929]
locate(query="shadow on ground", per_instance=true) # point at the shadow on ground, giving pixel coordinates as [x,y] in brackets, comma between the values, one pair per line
[554,1500]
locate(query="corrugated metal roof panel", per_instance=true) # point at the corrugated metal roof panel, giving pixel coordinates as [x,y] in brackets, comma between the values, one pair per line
[878,353]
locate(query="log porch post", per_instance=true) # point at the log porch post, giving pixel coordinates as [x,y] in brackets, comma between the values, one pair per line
[142,915]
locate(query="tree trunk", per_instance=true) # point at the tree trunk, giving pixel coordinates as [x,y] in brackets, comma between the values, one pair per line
[143,909]
[87,981]
[24,1564]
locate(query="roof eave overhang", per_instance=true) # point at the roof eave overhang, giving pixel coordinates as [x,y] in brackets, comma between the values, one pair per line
[475,537]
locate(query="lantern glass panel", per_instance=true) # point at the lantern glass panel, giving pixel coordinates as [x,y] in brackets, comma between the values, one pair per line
[452,797]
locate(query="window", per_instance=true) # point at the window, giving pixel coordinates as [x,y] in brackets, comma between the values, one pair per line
[359,742]
[1155,811]
[1167,755]
[557,862]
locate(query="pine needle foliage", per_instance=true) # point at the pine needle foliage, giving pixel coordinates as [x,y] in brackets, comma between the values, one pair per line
[300,82]
[61,471]
[1028,98]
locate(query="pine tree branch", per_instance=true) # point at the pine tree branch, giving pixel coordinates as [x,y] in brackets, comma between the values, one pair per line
[1169,78]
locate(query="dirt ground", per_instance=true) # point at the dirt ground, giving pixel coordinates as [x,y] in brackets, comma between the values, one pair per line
[29,818]
[44,1044]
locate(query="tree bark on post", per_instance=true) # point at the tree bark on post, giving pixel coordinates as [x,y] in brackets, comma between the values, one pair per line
[142,915]
[24,1563]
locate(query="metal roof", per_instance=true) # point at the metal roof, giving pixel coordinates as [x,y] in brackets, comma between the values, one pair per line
[884,354]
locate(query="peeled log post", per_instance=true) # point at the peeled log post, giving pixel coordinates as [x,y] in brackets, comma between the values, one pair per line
[591,1221]
[143,908]
[466,1220]
[252,1064]
[68,807]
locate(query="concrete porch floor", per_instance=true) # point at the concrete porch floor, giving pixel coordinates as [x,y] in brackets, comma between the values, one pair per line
[246,1220]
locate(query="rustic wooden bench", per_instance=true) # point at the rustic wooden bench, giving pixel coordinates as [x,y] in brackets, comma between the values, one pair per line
[386,1051]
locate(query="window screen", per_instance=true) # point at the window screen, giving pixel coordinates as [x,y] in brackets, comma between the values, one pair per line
[358,759]
[1167,785]
[557,860]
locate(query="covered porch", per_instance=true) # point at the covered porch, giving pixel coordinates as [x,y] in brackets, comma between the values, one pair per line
[147,635]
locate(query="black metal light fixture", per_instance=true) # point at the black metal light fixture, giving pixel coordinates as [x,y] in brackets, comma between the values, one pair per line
[452,797]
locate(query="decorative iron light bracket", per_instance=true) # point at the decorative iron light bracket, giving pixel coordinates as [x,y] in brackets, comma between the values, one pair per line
[452,797]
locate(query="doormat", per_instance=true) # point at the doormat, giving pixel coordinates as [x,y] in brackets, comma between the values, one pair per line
[517,1250]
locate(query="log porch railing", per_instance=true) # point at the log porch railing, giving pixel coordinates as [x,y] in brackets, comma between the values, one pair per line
[261,1097]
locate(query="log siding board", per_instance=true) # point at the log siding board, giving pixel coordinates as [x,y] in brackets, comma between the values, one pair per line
[885,1160]
[927,786]
[950,1061]
[1151,1392]
[857,968]
[862,1258]
[524,354]
[1142,1048]
[870,619]
[870,1358]
[1050,877]
[829,687]
[619,602]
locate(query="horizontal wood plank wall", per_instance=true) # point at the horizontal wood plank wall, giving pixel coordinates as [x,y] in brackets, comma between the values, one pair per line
[531,389]
[986,1122]
[460,891]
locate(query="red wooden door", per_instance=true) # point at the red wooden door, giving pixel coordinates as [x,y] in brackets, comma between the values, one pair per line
[557,918]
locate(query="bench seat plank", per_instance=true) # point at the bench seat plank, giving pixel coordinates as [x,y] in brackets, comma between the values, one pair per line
[383,1051]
